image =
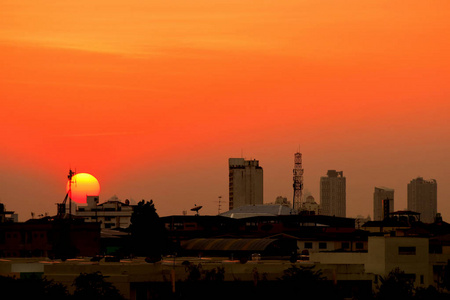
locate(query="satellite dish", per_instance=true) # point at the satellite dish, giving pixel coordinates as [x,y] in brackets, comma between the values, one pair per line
[196,208]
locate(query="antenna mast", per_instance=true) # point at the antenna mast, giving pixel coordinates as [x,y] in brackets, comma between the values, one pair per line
[220,204]
[71,174]
[298,181]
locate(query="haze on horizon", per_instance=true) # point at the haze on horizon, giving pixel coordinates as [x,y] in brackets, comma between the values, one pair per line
[153,97]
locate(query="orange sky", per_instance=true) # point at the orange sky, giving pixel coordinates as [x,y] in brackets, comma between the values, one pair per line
[153,97]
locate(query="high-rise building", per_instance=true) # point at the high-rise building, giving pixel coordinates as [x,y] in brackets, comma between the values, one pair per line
[333,194]
[422,198]
[379,195]
[298,181]
[245,182]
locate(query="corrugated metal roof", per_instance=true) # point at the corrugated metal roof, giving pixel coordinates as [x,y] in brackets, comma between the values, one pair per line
[258,210]
[228,244]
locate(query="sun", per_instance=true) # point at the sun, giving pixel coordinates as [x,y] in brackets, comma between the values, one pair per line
[83,184]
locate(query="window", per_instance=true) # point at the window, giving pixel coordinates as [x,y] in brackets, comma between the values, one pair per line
[322,245]
[345,245]
[308,245]
[359,246]
[406,250]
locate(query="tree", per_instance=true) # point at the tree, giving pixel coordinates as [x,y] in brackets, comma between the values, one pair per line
[396,285]
[306,283]
[202,283]
[92,286]
[148,234]
[33,287]
[430,293]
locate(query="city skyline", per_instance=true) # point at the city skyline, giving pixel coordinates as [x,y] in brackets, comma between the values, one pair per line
[211,205]
[152,98]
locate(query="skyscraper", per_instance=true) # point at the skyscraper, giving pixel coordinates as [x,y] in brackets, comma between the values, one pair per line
[333,194]
[245,182]
[422,198]
[379,195]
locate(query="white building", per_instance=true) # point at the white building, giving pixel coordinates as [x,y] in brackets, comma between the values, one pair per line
[422,198]
[333,194]
[111,214]
[245,182]
[379,195]
[386,253]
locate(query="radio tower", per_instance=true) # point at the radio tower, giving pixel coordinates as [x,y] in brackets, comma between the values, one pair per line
[298,181]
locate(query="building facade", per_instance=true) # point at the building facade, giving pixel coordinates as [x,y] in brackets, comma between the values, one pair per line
[49,237]
[333,194]
[379,195]
[422,198]
[245,182]
[111,214]
[310,206]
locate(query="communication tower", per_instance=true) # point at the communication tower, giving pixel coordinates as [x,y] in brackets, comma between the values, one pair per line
[62,208]
[298,182]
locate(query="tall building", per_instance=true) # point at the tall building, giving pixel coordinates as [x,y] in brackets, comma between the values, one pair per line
[422,198]
[379,195]
[333,194]
[245,182]
[298,181]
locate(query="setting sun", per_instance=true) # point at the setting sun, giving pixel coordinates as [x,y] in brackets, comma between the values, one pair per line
[83,184]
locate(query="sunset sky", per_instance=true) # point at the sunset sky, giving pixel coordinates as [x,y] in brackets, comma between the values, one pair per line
[153,97]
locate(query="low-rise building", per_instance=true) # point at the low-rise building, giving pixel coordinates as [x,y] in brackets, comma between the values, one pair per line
[7,216]
[49,237]
[110,214]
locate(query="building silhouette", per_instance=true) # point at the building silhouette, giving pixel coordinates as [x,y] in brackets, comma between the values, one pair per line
[333,194]
[245,182]
[381,194]
[422,198]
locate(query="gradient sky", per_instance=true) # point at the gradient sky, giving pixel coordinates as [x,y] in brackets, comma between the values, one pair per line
[153,97]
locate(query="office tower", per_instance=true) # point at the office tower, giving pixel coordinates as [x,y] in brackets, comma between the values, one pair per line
[298,181]
[245,182]
[379,195]
[422,198]
[333,194]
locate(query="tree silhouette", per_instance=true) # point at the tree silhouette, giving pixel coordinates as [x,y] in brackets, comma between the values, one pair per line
[396,285]
[90,286]
[148,234]
[33,287]
[430,293]
[306,283]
